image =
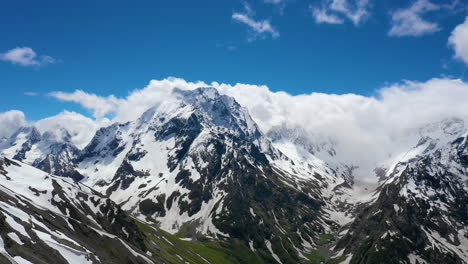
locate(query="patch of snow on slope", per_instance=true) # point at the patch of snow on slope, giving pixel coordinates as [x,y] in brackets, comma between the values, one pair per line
[68,253]
[15,238]
[268,244]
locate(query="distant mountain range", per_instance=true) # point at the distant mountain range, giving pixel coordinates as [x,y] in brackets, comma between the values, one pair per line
[196,181]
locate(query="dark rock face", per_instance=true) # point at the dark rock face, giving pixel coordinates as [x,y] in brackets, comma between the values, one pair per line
[124,176]
[148,207]
[32,137]
[60,161]
[184,131]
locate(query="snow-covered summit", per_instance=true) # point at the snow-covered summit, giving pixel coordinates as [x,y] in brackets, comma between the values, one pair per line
[222,110]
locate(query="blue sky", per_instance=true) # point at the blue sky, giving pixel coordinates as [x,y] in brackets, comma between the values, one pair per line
[114,47]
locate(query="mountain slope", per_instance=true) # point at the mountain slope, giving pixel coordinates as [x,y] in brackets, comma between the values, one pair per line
[47,219]
[421,214]
[50,219]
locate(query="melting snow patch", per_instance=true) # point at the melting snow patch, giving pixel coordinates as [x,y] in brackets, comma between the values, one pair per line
[68,253]
[125,231]
[341,217]
[20,260]
[268,244]
[415,259]
[347,260]
[102,233]
[3,251]
[136,254]
[251,245]
[252,212]
[15,237]
[11,222]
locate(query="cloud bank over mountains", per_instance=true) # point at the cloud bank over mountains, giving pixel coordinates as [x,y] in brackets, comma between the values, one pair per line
[11,121]
[80,128]
[366,130]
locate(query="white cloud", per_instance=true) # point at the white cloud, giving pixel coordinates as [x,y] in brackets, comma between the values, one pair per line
[322,15]
[258,28]
[31,93]
[100,106]
[459,41]
[80,128]
[366,129]
[26,56]
[10,122]
[409,21]
[334,11]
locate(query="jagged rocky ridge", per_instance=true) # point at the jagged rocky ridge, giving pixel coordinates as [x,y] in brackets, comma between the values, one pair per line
[51,151]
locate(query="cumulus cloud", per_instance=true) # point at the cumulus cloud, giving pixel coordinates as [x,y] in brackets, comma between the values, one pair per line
[459,41]
[258,28]
[26,56]
[10,122]
[334,11]
[322,15]
[409,21]
[100,106]
[366,130]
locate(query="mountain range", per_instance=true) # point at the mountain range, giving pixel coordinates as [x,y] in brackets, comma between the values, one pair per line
[195,180]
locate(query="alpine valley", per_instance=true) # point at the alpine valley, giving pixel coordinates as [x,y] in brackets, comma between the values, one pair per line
[194,180]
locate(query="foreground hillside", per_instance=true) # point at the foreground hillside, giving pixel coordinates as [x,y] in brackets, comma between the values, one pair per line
[50,219]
